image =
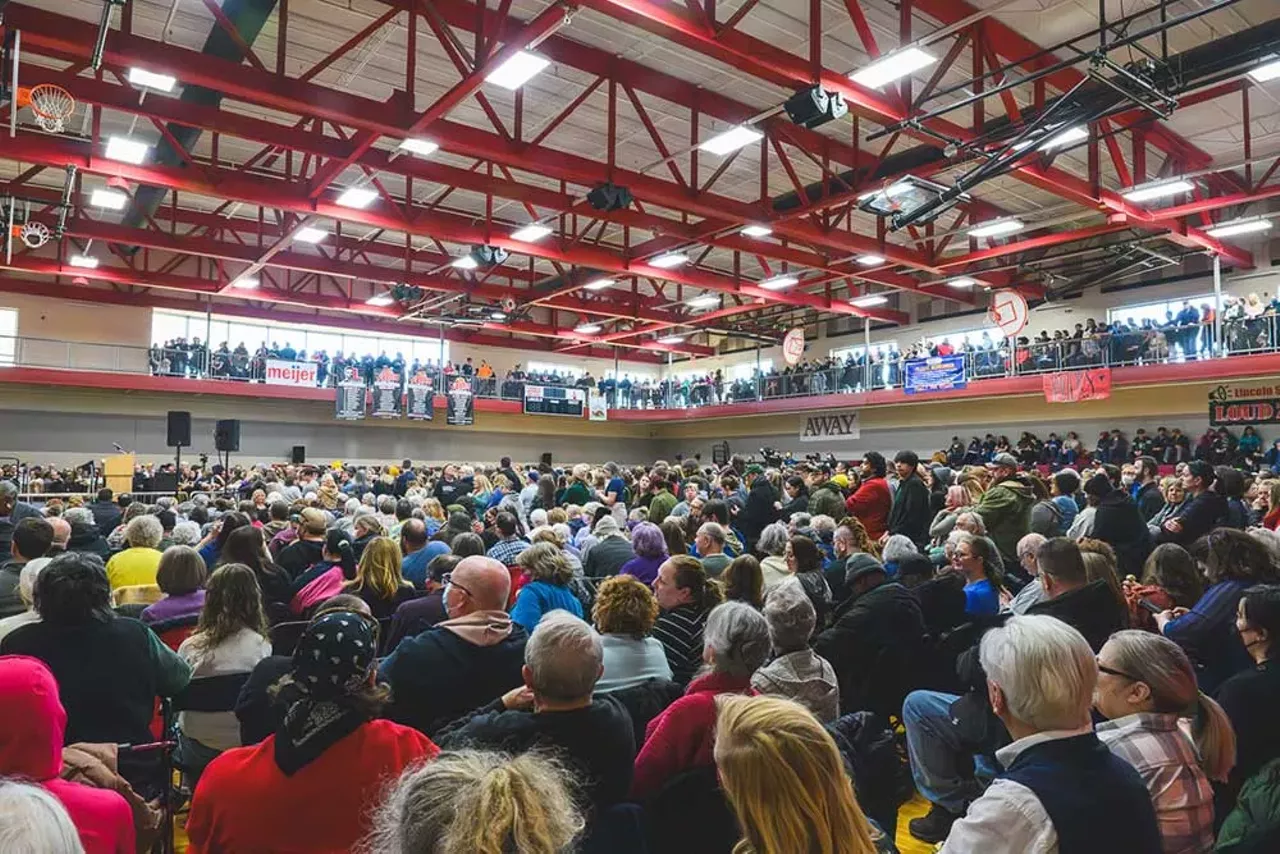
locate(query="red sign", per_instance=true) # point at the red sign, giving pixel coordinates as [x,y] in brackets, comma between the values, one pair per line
[1008,311]
[1073,386]
[793,346]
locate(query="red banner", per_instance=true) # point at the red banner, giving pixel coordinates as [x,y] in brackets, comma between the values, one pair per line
[1071,386]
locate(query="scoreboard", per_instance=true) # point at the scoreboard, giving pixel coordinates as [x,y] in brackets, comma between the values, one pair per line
[554,400]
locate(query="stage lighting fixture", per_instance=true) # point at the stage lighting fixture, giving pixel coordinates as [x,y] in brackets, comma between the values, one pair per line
[609,197]
[814,106]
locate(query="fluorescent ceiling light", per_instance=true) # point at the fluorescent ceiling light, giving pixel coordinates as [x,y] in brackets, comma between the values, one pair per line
[870,260]
[1159,191]
[464,262]
[893,67]
[672,339]
[1065,137]
[587,328]
[383,299]
[998,227]
[704,301]
[151,80]
[867,302]
[109,199]
[423,147]
[731,140]
[498,315]
[1268,71]
[86,261]
[962,282]
[307,234]
[247,283]
[357,197]
[517,71]
[530,233]
[598,284]
[668,260]
[757,231]
[777,283]
[1247,226]
[127,150]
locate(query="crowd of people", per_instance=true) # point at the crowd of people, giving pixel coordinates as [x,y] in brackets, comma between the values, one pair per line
[672,657]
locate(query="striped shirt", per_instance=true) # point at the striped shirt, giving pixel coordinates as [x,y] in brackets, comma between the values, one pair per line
[1168,763]
[680,633]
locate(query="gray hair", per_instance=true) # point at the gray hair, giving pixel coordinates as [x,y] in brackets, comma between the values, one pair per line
[445,804]
[738,637]
[1030,544]
[166,502]
[790,616]
[974,521]
[1044,668]
[387,505]
[897,547]
[144,531]
[773,539]
[564,656]
[712,531]
[185,534]
[32,821]
[27,579]
[8,489]
[81,515]
[800,520]
[351,505]
[823,525]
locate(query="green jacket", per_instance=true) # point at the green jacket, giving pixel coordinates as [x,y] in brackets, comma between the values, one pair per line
[1006,511]
[827,500]
[661,506]
[1253,827]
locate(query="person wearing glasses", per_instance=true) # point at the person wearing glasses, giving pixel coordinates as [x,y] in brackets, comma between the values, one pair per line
[471,658]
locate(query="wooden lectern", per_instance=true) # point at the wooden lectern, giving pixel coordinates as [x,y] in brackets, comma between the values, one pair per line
[119,472]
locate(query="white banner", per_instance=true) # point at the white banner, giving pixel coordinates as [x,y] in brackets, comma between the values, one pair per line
[281,372]
[833,427]
[597,407]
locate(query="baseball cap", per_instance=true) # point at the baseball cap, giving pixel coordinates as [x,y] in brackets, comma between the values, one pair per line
[314,520]
[1003,460]
[754,468]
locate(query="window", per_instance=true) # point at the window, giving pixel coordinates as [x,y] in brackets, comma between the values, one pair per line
[634,376]
[879,347]
[978,338]
[8,335]
[554,368]
[1159,312]
[747,370]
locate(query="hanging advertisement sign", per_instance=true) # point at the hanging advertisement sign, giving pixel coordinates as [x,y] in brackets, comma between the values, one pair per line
[830,427]
[462,402]
[1074,386]
[420,396]
[298,374]
[1238,406]
[351,394]
[597,406]
[938,373]
[388,393]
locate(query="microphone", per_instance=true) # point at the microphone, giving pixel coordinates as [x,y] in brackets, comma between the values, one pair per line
[118,448]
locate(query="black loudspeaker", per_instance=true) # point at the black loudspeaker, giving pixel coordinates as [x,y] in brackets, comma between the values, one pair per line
[299,454]
[546,458]
[226,435]
[179,430]
[164,481]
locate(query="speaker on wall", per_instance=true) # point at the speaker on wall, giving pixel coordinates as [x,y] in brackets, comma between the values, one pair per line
[179,430]
[299,455]
[226,435]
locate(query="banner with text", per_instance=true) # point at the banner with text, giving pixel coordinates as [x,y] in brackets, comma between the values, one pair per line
[1237,406]
[462,402]
[420,398]
[388,392]
[1074,386]
[939,373]
[597,406]
[282,372]
[833,427]
[350,394]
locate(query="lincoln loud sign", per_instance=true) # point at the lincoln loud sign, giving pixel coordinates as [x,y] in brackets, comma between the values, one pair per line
[830,428]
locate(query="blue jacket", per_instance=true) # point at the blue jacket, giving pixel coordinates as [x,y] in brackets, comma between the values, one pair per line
[537,598]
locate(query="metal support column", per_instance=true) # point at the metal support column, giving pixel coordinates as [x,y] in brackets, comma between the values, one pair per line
[866,356]
[1218,344]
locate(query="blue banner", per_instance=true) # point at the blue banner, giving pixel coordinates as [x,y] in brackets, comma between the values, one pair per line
[940,373]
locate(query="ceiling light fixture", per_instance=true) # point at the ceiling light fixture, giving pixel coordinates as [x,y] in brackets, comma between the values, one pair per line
[88,262]
[598,284]
[870,260]
[1267,71]
[893,67]
[151,80]
[1158,191]
[672,339]
[421,147]
[531,232]
[307,234]
[357,197]
[704,301]
[383,299]
[731,140]
[757,231]
[498,315]
[869,301]
[464,262]
[778,283]
[668,260]
[962,282]
[1070,136]
[517,71]
[127,150]
[997,228]
[1247,226]
[587,328]
[109,199]
[247,283]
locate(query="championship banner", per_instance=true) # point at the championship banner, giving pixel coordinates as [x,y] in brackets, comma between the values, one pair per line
[462,403]
[351,394]
[421,396]
[388,392]
[939,373]
[597,406]
[830,428]
[1074,386]
[300,374]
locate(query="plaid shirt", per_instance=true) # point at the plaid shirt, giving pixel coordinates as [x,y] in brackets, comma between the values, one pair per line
[506,551]
[1167,761]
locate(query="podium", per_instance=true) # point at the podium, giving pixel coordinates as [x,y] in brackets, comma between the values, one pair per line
[119,472]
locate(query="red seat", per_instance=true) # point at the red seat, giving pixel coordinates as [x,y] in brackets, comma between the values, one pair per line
[518,580]
[174,637]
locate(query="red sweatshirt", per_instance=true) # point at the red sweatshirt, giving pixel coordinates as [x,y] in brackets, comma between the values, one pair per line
[871,504]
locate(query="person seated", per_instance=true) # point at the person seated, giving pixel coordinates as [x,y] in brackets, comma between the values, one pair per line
[743,581]
[624,613]
[1170,579]
[418,615]
[1061,789]
[325,579]
[138,563]
[1091,607]
[555,710]
[378,580]
[809,806]
[611,551]
[418,552]
[32,539]
[464,662]
[1033,592]
[650,548]
[181,577]
[231,637]
[307,550]
[33,820]
[710,542]
[326,762]
[975,558]
[685,596]
[468,801]
[735,645]
[547,590]
[27,593]
[246,546]
[796,671]
[1146,689]
[110,669]
[32,729]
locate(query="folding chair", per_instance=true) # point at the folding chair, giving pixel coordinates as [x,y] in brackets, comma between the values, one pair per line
[149,769]
[206,694]
[284,636]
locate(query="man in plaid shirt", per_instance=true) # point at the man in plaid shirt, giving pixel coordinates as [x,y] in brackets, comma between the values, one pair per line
[508,548]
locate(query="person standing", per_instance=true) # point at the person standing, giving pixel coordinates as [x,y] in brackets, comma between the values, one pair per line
[871,502]
[910,513]
[1005,507]
[759,511]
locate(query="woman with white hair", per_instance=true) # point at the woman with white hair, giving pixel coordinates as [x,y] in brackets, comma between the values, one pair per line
[26,591]
[773,545]
[796,672]
[682,738]
[138,563]
[896,548]
[32,821]
[186,534]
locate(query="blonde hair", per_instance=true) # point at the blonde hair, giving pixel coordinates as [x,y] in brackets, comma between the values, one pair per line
[785,781]
[379,568]
[432,509]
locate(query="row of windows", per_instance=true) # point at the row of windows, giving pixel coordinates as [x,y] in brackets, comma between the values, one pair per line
[8,335]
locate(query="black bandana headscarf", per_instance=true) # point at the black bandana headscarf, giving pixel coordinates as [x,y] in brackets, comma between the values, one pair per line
[332,661]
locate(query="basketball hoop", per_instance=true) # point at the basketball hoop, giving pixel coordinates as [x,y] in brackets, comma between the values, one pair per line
[51,104]
[33,234]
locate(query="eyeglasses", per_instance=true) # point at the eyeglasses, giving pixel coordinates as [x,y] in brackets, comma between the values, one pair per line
[448,581]
[1102,668]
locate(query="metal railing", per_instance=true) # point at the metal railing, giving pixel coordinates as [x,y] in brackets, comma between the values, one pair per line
[1142,346]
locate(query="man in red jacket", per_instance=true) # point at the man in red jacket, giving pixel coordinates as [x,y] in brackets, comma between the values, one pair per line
[872,501]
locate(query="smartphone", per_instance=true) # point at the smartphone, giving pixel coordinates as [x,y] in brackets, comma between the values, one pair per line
[1149,606]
